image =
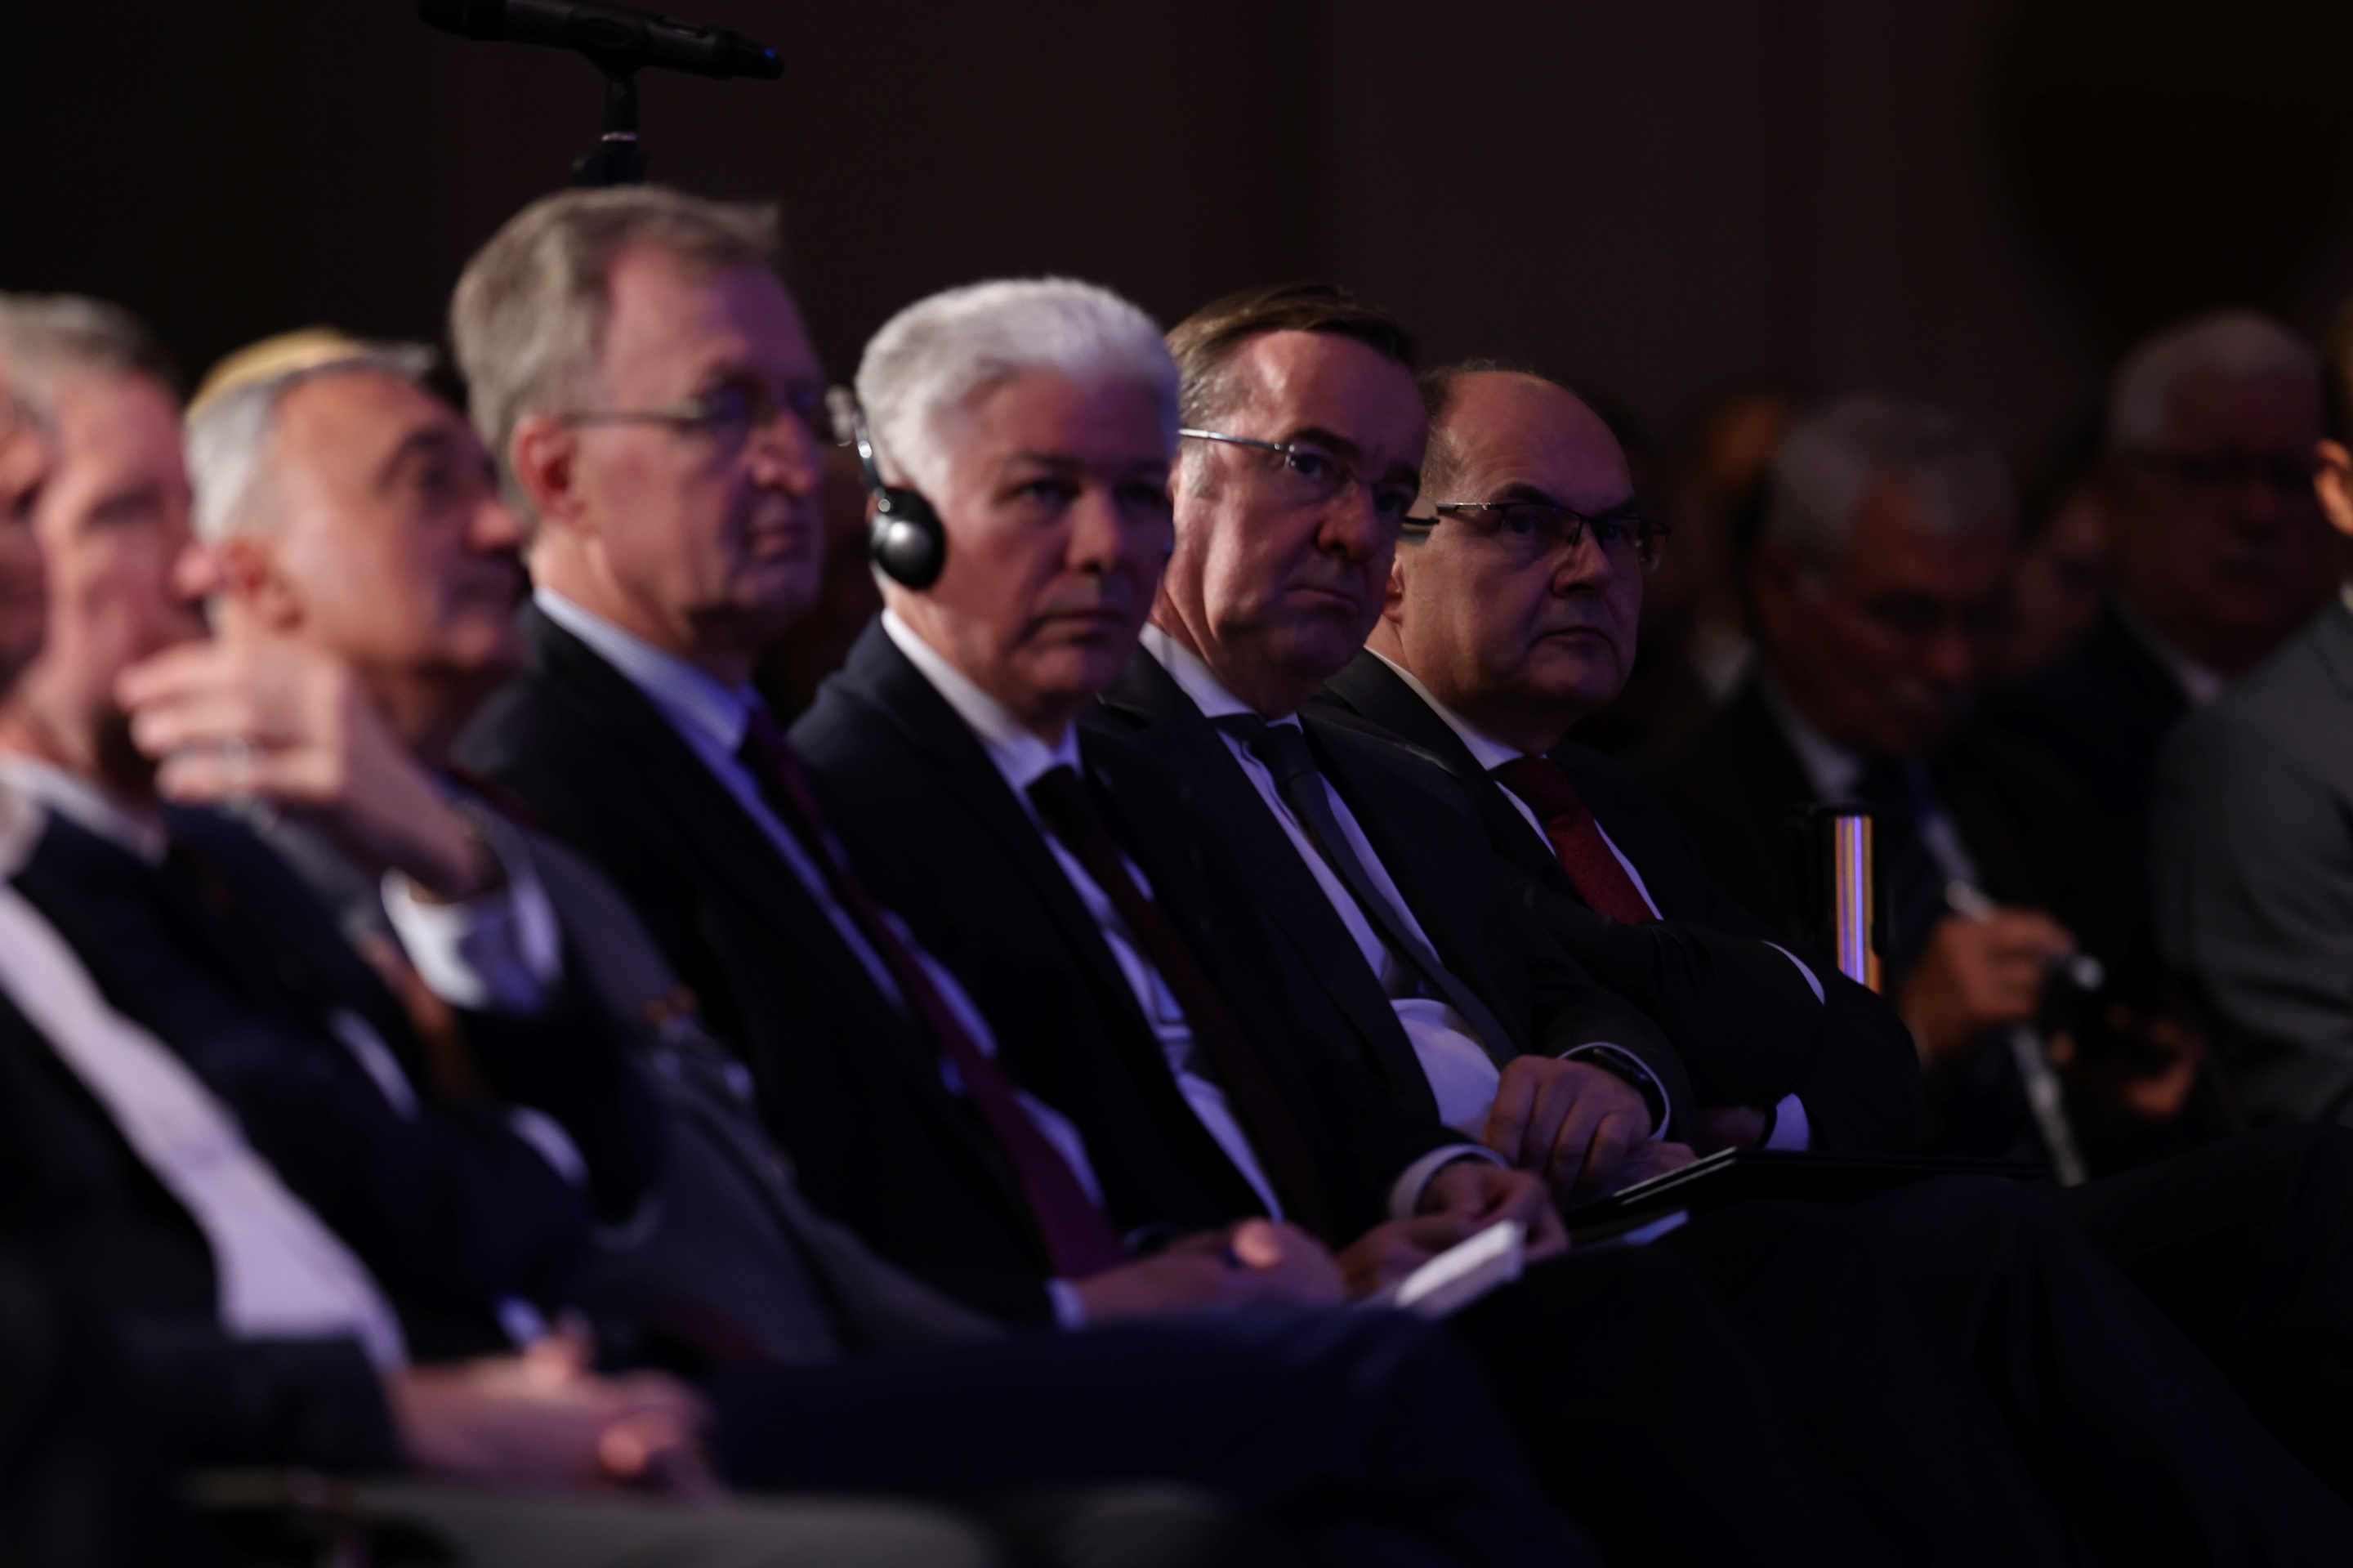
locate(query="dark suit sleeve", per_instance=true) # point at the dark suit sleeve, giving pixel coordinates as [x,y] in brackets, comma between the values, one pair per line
[1850,1058]
[1575,1010]
[314,1403]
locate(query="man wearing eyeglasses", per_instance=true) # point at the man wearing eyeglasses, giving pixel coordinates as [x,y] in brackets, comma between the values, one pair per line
[1300,458]
[1878,583]
[1509,615]
[2218,553]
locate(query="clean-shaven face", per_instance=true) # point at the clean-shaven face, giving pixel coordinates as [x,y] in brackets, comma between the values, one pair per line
[717,536]
[1510,625]
[1055,498]
[1274,591]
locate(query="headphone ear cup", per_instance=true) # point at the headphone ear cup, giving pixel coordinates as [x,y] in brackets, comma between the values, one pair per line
[908,544]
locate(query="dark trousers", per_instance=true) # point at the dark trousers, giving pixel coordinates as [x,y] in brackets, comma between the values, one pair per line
[2247,1245]
[1996,1391]
[1365,1437]
[1652,1420]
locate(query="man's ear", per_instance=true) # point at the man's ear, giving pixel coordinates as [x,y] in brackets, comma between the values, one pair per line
[1393,596]
[544,454]
[2333,480]
[248,584]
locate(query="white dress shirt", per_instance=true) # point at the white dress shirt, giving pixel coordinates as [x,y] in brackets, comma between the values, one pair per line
[710,718]
[1022,759]
[281,1272]
[1790,1129]
[1462,1077]
[471,955]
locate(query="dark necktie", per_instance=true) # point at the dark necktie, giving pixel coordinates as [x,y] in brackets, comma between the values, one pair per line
[1915,884]
[1061,799]
[1577,842]
[1078,1238]
[1282,748]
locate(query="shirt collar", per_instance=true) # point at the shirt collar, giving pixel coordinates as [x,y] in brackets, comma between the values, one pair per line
[1019,755]
[1193,675]
[20,828]
[691,698]
[87,806]
[2199,681]
[1492,754]
[1835,772]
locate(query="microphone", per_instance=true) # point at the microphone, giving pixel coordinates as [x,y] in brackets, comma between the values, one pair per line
[617,38]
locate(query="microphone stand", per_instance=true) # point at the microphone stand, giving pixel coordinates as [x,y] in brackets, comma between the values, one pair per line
[617,159]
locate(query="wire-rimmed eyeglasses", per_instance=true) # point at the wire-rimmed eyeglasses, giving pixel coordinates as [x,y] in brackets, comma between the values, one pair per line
[1312,474]
[728,413]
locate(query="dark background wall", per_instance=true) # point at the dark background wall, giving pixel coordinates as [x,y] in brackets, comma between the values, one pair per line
[1661,200]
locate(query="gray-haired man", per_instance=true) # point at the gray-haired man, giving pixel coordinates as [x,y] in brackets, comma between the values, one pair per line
[2218,553]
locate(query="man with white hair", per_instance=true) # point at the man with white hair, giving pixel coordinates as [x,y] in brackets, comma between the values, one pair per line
[2218,553]
[1878,585]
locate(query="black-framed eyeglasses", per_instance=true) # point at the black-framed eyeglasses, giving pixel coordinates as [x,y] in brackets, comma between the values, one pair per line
[728,414]
[1539,528]
[2285,473]
[1314,475]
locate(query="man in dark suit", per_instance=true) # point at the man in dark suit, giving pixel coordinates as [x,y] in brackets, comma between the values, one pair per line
[2218,554]
[1474,626]
[1484,658]
[1878,582]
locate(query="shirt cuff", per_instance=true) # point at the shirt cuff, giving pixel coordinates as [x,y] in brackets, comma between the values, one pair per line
[1405,1193]
[1791,1127]
[501,952]
[1624,1063]
[1070,1310]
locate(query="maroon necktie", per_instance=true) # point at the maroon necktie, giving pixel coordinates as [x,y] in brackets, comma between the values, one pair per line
[1078,1238]
[1062,799]
[1576,839]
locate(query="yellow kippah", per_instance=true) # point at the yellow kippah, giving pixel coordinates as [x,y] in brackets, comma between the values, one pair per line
[273,357]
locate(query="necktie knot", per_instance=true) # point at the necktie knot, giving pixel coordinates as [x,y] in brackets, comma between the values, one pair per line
[1543,784]
[1577,841]
[1282,748]
[764,747]
[1060,797]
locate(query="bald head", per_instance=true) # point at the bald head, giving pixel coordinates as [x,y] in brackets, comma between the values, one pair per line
[1513,627]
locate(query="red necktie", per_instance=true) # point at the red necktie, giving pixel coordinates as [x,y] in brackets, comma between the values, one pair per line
[1593,869]
[1078,1238]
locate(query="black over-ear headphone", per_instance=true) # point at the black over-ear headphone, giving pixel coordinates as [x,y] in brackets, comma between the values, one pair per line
[908,544]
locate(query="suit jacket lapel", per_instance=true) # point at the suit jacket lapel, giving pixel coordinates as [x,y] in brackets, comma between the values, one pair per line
[1376,694]
[698,805]
[1161,720]
[719,834]
[882,677]
[1397,816]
